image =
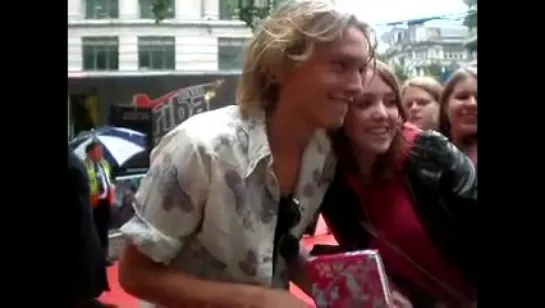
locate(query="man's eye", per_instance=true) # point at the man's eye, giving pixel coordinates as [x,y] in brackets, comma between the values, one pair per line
[339,65]
[390,102]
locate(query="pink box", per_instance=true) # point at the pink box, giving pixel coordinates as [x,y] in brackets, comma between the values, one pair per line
[349,280]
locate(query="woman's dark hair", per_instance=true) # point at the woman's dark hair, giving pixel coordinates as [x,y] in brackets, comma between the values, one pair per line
[451,83]
[91,146]
[387,162]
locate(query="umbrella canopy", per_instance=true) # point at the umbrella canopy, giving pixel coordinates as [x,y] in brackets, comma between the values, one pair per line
[120,144]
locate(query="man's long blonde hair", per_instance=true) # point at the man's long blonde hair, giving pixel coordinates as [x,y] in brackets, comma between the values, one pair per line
[289,35]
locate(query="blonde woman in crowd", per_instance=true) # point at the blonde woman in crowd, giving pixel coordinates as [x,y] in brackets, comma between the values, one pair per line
[221,211]
[458,118]
[420,96]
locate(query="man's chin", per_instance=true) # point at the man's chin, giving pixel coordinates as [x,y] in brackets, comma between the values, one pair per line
[333,123]
[333,126]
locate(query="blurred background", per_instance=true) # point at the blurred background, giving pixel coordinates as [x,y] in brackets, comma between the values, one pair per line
[121,52]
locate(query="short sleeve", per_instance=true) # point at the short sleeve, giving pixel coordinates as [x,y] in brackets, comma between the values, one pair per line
[169,202]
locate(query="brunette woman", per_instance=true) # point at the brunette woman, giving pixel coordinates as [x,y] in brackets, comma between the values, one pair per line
[409,193]
[420,96]
[458,117]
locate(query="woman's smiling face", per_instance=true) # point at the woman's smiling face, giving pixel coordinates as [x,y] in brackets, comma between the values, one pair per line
[461,107]
[371,120]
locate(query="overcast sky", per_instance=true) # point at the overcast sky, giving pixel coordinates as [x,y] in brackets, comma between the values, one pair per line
[379,12]
[382,11]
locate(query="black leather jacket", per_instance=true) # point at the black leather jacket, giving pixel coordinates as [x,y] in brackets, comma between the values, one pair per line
[442,182]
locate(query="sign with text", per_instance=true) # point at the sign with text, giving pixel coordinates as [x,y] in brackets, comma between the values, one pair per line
[177,106]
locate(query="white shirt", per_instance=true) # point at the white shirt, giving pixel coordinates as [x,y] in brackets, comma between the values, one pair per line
[208,204]
[103,178]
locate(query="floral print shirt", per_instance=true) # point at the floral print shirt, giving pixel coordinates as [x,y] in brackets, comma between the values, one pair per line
[208,204]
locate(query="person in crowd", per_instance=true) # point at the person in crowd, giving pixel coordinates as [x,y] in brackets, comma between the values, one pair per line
[409,193]
[102,190]
[458,118]
[86,266]
[219,214]
[420,95]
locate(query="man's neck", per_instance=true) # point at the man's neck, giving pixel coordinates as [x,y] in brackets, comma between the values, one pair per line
[288,133]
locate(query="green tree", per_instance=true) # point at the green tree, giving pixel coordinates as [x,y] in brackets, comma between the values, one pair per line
[470,20]
[252,12]
[472,4]
[400,73]
[382,57]
[434,70]
[160,9]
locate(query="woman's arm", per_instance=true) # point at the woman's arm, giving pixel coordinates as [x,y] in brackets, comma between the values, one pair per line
[341,210]
[298,272]
[445,181]
[450,171]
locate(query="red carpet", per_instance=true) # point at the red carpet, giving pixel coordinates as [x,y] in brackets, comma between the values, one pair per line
[119,297]
[116,294]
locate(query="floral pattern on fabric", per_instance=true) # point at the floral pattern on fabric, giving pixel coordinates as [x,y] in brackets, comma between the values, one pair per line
[208,205]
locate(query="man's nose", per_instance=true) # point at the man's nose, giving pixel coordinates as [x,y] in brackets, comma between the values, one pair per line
[354,85]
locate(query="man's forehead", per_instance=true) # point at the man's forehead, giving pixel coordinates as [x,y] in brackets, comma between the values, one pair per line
[352,46]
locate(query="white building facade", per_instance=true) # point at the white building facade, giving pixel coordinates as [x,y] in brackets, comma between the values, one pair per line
[121,38]
[419,46]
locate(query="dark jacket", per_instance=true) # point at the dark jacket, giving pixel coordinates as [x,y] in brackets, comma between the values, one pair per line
[442,183]
[86,262]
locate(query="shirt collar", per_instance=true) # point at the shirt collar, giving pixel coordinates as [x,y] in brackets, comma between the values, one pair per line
[259,149]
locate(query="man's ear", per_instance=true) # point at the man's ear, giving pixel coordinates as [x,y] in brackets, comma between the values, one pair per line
[279,73]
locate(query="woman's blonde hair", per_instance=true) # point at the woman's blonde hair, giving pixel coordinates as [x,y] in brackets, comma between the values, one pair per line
[289,35]
[428,84]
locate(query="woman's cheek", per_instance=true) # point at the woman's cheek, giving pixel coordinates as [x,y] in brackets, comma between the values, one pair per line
[452,112]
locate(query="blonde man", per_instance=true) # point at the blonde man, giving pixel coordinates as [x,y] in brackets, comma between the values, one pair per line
[229,192]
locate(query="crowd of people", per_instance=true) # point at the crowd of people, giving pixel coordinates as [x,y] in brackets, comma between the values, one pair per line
[450,109]
[320,127]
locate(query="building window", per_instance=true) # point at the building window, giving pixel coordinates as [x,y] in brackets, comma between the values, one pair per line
[100,53]
[156,52]
[146,10]
[230,52]
[101,9]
